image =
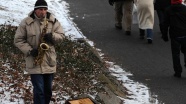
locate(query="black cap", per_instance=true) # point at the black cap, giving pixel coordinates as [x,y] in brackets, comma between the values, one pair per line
[41,4]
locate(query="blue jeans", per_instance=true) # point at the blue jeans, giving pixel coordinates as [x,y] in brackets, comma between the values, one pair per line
[42,84]
[149,34]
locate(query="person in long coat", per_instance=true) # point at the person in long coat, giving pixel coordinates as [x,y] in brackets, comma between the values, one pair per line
[27,38]
[160,6]
[145,11]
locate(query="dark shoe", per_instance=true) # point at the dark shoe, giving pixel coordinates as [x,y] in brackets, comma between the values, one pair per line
[127,33]
[177,75]
[149,41]
[118,27]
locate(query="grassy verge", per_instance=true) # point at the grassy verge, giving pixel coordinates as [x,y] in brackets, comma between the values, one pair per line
[77,69]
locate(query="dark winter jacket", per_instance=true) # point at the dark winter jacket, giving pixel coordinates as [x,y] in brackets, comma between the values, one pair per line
[161,4]
[175,21]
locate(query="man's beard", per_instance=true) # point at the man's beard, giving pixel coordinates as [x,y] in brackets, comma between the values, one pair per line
[42,16]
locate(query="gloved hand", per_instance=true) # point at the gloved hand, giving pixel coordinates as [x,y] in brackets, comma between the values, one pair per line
[111,2]
[165,38]
[48,38]
[34,52]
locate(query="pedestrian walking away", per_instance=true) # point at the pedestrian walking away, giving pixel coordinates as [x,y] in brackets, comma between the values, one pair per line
[160,6]
[175,26]
[123,14]
[35,37]
[146,18]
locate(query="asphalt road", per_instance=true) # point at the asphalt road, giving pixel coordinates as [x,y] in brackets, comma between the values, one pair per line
[150,64]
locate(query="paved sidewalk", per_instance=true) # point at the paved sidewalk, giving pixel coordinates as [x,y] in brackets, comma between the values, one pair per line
[149,64]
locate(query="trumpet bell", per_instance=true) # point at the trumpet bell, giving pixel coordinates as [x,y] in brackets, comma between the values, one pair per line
[44,46]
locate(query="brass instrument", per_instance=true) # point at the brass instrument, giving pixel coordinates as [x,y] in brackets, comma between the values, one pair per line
[42,45]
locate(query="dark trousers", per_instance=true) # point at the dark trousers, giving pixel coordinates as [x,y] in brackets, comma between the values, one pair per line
[42,84]
[161,17]
[178,45]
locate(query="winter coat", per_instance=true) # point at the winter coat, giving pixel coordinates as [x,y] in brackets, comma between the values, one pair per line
[27,38]
[175,21]
[161,4]
[145,10]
